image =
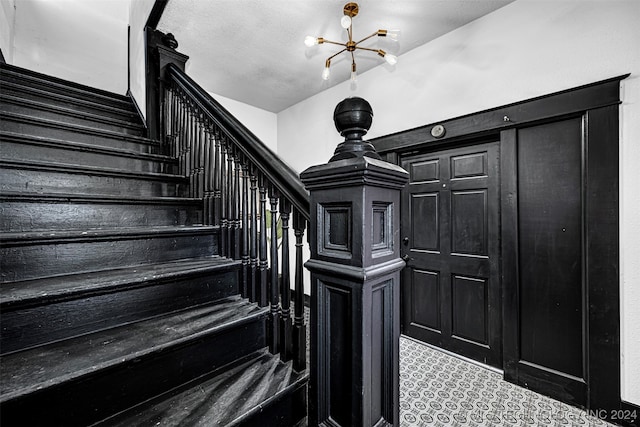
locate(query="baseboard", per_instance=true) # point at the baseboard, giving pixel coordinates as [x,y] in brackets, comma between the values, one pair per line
[138,110]
[627,415]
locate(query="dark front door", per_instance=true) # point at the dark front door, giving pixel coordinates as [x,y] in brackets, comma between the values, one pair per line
[450,230]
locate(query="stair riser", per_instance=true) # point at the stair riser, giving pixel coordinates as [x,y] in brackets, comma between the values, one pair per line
[73,119]
[59,182]
[66,90]
[67,155]
[286,411]
[59,320]
[116,389]
[89,137]
[65,102]
[32,215]
[48,259]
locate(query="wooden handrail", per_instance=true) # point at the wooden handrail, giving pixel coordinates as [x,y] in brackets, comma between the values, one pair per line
[279,174]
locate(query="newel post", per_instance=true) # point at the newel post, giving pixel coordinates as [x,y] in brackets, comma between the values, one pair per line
[355,271]
[160,52]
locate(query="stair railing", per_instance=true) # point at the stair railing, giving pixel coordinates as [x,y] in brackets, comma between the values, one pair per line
[251,195]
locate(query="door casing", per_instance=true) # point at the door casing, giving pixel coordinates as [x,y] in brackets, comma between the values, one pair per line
[597,104]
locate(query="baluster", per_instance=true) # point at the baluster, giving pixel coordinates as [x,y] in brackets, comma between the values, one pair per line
[237,223]
[299,329]
[177,129]
[285,285]
[217,177]
[208,173]
[202,149]
[181,137]
[274,317]
[264,264]
[245,231]
[223,198]
[253,251]
[190,151]
[230,202]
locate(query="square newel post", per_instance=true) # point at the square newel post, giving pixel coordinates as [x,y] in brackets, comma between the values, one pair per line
[160,52]
[355,271]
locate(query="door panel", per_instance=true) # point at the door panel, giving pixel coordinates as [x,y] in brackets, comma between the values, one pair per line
[451,287]
[547,348]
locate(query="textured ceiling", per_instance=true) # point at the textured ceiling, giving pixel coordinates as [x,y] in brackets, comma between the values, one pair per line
[253,50]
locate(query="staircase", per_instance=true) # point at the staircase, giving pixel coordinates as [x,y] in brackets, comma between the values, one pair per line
[116,306]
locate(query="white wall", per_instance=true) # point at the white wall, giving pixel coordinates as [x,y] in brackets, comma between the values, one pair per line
[138,15]
[80,40]
[7,28]
[262,123]
[526,49]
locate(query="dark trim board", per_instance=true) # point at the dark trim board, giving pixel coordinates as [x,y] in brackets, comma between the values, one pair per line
[463,128]
[597,106]
[156,13]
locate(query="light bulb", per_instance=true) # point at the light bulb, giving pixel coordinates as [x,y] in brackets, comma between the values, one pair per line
[393,35]
[326,73]
[310,41]
[354,77]
[345,21]
[391,59]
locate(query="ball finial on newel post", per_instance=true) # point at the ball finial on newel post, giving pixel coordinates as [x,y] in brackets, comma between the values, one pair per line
[353,118]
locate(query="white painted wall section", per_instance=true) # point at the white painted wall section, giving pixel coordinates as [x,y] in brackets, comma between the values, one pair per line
[263,124]
[526,49]
[7,28]
[78,40]
[138,15]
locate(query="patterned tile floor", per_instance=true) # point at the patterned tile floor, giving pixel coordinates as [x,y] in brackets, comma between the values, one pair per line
[437,389]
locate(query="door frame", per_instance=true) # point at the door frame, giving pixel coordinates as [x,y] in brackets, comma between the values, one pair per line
[598,104]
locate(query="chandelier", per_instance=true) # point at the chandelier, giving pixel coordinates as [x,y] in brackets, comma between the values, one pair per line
[350,11]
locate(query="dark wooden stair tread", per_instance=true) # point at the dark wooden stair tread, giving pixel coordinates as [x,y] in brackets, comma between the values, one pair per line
[225,399]
[90,170]
[59,288]
[40,237]
[79,129]
[42,367]
[79,146]
[37,105]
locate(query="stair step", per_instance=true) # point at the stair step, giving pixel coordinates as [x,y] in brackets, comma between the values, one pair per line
[57,212]
[38,311]
[33,255]
[32,125]
[29,148]
[53,178]
[32,79]
[20,105]
[80,105]
[87,378]
[247,394]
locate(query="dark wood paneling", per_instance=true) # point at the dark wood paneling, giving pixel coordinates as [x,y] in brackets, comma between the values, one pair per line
[424,299]
[596,313]
[425,234]
[550,246]
[470,306]
[469,221]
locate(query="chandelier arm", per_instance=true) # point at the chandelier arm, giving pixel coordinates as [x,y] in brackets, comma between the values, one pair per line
[369,49]
[368,37]
[336,54]
[332,42]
